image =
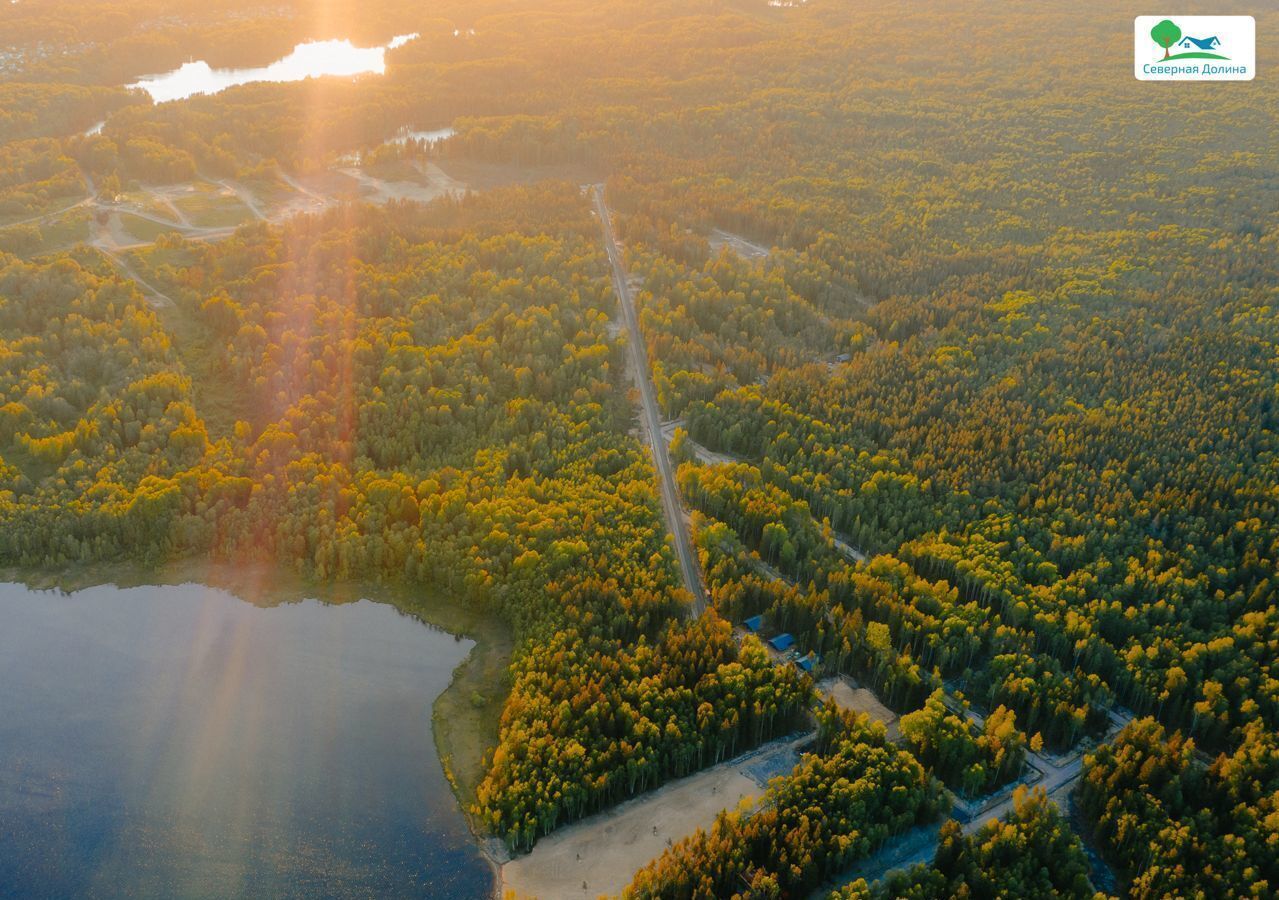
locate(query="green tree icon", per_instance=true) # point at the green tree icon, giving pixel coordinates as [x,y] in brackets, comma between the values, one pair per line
[1165,34]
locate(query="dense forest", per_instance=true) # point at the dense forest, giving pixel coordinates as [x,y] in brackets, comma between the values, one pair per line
[990,427]
[1183,826]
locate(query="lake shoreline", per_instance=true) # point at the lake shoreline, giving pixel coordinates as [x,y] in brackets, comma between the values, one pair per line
[464,716]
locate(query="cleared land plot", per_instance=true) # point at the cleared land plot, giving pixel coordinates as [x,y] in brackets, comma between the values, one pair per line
[49,236]
[66,231]
[272,196]
[144,231]
[719,239]
[205,209]
[335,185]
[402,180]
[147,203]
[858,699]
[605,851]
[395,170]
[14,212]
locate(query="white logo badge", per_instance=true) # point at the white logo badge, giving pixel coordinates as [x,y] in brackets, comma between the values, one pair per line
[1195,48]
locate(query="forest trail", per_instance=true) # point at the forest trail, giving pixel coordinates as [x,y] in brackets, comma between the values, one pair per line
[155,297]
[672,505]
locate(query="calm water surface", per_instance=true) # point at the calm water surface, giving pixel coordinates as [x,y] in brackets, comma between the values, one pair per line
[178,742]
[310,60]
[430,138]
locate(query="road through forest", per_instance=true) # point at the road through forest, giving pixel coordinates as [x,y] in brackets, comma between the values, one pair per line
[672,505]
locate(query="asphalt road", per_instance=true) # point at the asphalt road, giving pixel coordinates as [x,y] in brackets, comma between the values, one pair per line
[672,505]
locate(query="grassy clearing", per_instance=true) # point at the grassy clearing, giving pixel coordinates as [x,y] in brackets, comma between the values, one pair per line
[467,714]
[28,241]
[397,170]
[144,230]
[19,213]
[331,184]
[210,210]
[147,203]
[66,231]
[271,195]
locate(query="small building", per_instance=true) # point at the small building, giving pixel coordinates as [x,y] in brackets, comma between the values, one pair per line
[805,663]
[782,642]
[754,624]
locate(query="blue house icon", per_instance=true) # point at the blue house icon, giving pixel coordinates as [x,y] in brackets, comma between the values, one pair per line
[1189,43]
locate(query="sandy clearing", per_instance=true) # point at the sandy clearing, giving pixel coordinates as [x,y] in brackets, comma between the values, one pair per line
[599,856]
[435,183]
[858,699]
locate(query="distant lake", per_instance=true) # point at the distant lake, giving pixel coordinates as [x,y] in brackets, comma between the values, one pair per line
[178,742]
[430,138]
[310,60]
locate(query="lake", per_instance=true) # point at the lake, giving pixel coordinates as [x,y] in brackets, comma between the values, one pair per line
[176,741]
[429,138]
[312,59]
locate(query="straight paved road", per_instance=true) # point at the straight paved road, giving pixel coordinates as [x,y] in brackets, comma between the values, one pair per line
[652,420]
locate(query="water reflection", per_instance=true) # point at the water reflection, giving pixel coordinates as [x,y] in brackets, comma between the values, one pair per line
[428,138]
[310,60]
[178,742]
